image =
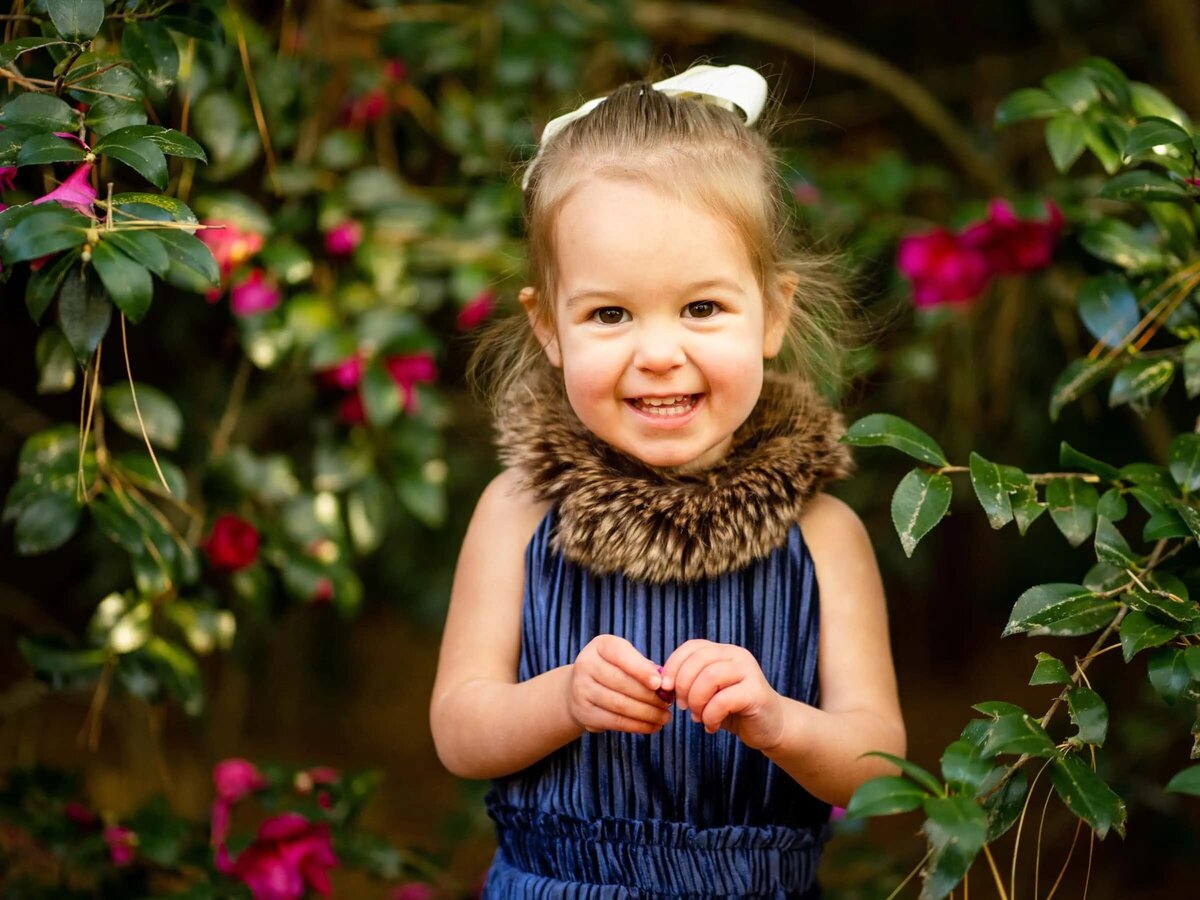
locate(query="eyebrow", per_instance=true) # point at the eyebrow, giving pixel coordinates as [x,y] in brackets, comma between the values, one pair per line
[587,293]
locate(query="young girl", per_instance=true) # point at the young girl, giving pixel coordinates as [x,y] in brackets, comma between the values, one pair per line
[658,539]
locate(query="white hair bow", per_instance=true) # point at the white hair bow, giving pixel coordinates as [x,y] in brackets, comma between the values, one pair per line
[731,87]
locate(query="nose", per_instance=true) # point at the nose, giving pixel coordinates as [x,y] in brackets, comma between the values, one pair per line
[659,348]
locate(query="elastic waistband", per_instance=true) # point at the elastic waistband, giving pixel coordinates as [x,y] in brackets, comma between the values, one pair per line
[656,856]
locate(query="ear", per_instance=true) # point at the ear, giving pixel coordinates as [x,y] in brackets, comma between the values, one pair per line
[779,313]
[543,330]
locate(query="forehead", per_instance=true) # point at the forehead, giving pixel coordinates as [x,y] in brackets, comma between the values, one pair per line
[615,234]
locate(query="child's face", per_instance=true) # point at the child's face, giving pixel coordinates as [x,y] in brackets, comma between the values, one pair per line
[636,320]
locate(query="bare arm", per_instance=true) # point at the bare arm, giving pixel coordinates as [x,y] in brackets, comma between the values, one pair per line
[485,723]
[859,705]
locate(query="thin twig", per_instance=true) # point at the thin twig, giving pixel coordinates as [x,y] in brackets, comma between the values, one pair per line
[137,410]
[237,394]
[259,118]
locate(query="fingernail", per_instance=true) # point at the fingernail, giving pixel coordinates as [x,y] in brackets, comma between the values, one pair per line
[655,683]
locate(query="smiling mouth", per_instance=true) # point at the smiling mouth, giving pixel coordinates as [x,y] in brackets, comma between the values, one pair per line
[665,407]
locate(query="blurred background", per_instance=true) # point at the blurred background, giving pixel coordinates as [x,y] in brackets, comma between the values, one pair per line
[386,204]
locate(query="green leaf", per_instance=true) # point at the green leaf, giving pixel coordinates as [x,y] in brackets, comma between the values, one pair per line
[1069,456]
[161,416]
[1190,516]
[1023,494]
[168,140]
[1186,782]
[1142,186]
[49,148]
[1112,505]
[1103,577]
[1089,714]
[150,47]
[1061,610]
[1139,632]
[56,362]
[1049,670]
[192,266]
[140,469]
[177,673]
[955,820]
[84,313]
[911,769]
[106,113]
[1004,806]
[990,489]
[1026,103]
[1154,131]
[1073,88]
[79,19]
[884,796]
[1087,796]
[43,284]
[46,229]
[1191,369]
[47,521]
[422,498]
[42,112]
[1020,734]
[140,154]
[1141,382]
[1123,245]
[1165,607]
[1111,80]
[964,767]
[1064,139]
[1072,504]
[1105,136]
[143,247]
[918,504]
[1185,461]
[157,206]
[127,282]
[1169,673]
[12,49]
[1111,546]
[381,397]
[1108,308]
[1165,524]
[1149,101]
[194,20]
[1075,380]
[879,429]
[118,525]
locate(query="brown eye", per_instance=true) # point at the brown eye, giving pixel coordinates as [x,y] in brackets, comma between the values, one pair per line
[609,315]
[702,309]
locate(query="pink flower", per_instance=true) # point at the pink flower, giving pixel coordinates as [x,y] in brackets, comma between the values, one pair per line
[414,890]
[235,778]
[323,592]
[343,238]
[395,70]
[232,545]
[345,374]
[230,245]
[806,194]
[1011,245]
[76,192]
[79,814]
[121,842]
[8,174]
[289,856]
[476,310]
[941,268]
[366,108]
[351,409]
[408,370]
[253,295]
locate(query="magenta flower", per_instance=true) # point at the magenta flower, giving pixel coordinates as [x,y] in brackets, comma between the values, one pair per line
[1011,245]
[343,238]
[254,294]
[121,842]
[408,370]
[345,374]
[941,268]
[230,245]
[414,890]
[476,310]
[289,856]
[79,814]
[366,108]
[351,409]
[395,70]
[235,778]
[8,175]
[76,192]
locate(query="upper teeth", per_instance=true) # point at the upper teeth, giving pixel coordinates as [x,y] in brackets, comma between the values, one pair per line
[665,401]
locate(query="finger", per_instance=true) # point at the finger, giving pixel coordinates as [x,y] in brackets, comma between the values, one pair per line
[626,657]
[728,701]
[670,668]
[714,677]
[623,706]
[622,682]
[692,667]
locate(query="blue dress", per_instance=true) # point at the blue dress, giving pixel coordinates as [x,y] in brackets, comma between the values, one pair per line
[679,813]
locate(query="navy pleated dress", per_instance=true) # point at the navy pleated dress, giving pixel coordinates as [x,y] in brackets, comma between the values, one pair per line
[679,813]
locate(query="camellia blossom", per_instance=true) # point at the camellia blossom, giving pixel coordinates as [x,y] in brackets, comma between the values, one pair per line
[367,107]
[75,193]
[1011,245]
[233,543]
[351,410]
[941,269]
[254,294]
[345,374]
[236,777]
[230,245]
[8,175]
[79,814]
[344,238]
[121,842]
[476,310]
[408,370]
[289,856]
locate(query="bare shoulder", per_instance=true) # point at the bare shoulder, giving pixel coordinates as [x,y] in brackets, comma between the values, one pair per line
[507,500]
[832,528]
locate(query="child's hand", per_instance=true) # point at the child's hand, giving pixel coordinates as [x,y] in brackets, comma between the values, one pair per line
[724,687]
[612,688]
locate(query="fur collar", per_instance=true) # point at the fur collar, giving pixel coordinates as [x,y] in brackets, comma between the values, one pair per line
[616,513]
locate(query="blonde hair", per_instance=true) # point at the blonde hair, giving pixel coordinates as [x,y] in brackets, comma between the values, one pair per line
[698,153]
